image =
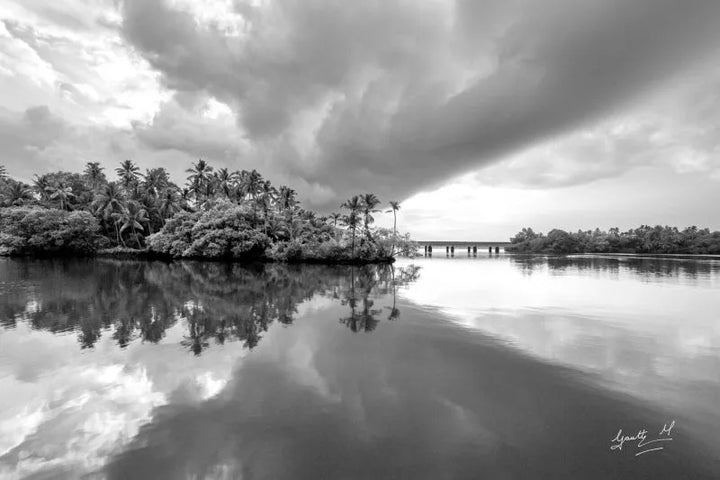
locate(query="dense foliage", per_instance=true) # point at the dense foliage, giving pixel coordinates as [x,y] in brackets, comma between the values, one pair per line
[645,239]
[33,231]
[220,215]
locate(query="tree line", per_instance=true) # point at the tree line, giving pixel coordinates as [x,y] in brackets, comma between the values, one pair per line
[644,239]
[217,213]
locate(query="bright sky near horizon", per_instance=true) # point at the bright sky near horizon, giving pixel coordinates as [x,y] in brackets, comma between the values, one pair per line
[481,117]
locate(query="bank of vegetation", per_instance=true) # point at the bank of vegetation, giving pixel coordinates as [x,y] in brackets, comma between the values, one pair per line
[642,240]
[216,215]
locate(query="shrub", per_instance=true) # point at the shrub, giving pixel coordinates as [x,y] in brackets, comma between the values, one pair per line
[41,231]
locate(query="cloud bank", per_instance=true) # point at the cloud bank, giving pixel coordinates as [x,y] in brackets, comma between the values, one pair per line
[394,97]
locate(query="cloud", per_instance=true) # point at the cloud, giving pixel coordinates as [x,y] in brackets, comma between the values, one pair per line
[407,95]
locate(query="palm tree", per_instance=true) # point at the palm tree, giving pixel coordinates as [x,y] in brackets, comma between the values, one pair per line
[94,175]
[169,204]
[267,196]
[128,173]
[18,193]
[108,203]
[225,182]
[354,205]
[155,181]
[41,184]
[251,186]
[199,177]
[62,194]
[335,216]
[394,207]
[287,204]
[369,202]
[133,217]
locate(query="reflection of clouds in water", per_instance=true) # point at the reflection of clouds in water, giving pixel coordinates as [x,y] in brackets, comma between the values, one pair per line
[78,418]
[75,408]
[656,339]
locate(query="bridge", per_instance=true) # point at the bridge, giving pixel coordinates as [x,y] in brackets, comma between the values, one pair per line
[451,246]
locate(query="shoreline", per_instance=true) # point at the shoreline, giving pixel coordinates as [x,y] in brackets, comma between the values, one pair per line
[143,255]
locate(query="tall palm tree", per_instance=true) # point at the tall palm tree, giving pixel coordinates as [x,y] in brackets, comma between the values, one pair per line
[369,202]
[354,205]
[394,207]
[155,181]
[335,216]
[108,203]
[169,204]
[62,194]
[251,186]
[267,196]
[128,173]
[225,181]
[134,217]
[41,184]
[287,203]
[199,177]
[94,174]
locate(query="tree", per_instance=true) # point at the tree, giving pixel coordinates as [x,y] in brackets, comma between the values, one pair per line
[335,216]
[94,174]
[133,217]
[369,202]
[128,173]
[354,205]
[199,177]
[62,194]
[169,204]
[41,185]
[108,203]
[266,198]
[17,193]
[226,182]
[394,207]
[155,181]
[251,186]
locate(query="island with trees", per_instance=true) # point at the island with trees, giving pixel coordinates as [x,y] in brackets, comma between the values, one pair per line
[217,215]
[642,240]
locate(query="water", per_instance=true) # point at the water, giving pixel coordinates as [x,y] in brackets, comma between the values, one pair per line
[494,367]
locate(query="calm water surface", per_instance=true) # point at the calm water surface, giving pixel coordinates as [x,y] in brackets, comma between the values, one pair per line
[494,367]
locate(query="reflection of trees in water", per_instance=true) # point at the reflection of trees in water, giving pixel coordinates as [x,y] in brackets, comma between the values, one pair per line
[366,282]
[217,302]
[641,266]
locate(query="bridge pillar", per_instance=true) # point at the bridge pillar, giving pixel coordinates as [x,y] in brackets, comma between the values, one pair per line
[474,250]
[497,249]
[489,249]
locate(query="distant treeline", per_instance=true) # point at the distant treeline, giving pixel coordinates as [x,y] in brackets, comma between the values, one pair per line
[217,214]
[644,239]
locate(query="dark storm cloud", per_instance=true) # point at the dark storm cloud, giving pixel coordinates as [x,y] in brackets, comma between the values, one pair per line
[410,94]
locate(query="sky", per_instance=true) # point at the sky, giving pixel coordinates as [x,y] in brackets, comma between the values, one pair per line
[480,116]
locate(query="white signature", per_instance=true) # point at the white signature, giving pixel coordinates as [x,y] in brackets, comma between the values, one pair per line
[641,437]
